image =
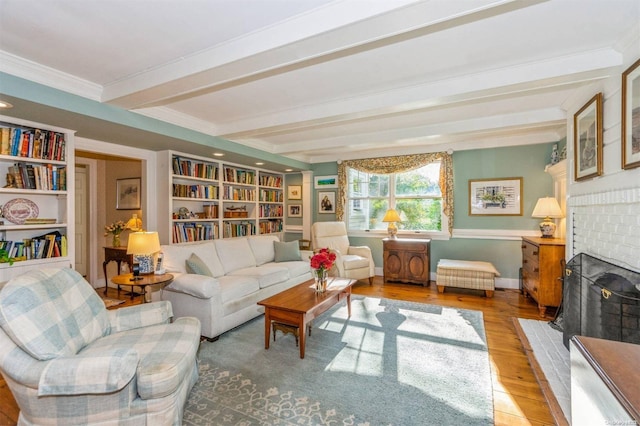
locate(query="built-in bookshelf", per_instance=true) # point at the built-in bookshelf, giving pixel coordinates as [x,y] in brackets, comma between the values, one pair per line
[212,199]
[36,178]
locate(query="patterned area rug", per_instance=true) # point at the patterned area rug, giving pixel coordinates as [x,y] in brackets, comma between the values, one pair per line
[391,363]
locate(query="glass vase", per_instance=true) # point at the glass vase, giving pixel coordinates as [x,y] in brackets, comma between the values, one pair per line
[116,240]
[321,280]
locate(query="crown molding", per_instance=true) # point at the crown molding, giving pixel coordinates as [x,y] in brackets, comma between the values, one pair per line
[29,70]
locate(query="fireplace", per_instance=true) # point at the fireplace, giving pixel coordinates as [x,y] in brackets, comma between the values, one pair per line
[600,300]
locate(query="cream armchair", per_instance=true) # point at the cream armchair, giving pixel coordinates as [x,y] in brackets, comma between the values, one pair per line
[352,261]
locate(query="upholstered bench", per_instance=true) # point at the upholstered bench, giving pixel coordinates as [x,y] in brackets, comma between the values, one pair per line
[466,274]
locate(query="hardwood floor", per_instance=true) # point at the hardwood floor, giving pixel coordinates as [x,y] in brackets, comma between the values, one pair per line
[517,397]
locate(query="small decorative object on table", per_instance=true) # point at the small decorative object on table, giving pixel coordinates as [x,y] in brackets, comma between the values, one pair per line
[321,263]
[116,229]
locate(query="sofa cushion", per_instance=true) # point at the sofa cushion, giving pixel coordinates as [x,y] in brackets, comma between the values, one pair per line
[195,265]
[235,253]
[175,256]
[296,268]
[267,275]
[234,288]
[286,252]
[165,352]
[262,248]
[200,286]
[351,261]
[51,313]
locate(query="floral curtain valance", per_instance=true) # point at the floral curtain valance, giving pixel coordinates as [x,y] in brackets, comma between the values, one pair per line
[399,164]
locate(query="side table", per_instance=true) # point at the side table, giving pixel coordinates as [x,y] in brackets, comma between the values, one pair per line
[118,255]
[143,282]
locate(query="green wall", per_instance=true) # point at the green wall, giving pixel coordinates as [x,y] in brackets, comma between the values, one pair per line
[527,162]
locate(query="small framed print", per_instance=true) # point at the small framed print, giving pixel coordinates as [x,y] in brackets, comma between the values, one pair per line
[294,210]
[326,202]
[587,139]
[294,192]
[325,182]
[128,194]
[495,197]
[631,116]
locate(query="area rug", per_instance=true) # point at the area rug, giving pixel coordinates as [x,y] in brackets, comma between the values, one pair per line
[391,363]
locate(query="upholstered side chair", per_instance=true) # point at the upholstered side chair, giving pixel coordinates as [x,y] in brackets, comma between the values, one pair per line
[353,262]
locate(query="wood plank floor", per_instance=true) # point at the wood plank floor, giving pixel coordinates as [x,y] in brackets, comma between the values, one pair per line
[517,397]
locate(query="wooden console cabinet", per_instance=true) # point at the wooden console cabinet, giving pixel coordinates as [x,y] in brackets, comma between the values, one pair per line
[406,260]
[542,270]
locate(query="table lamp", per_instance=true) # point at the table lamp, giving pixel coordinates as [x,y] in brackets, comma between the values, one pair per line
[547,208]
[392,216]
[143,246]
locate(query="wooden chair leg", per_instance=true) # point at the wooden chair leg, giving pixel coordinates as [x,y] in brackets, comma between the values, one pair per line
[370,281]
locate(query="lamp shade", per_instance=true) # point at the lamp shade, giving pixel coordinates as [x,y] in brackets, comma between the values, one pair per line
[143,243]
[547,207]
[391,216]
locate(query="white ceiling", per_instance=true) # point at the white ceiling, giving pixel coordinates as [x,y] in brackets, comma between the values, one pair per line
[322,80]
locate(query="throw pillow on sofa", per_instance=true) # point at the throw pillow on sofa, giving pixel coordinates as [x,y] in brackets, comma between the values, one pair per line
[195,265]
[286,252]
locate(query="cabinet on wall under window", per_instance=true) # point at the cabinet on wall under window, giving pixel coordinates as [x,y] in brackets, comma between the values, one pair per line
[212,199]
[36,163]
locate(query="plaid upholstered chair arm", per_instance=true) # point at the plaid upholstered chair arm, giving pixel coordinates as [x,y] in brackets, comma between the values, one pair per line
[137,316]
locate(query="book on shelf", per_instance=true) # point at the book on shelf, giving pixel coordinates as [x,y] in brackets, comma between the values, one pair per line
[39,221]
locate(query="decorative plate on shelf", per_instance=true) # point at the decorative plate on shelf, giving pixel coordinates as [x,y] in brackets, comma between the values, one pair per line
[20,209]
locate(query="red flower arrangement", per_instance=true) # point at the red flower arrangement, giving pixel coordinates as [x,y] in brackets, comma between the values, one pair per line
[323,260]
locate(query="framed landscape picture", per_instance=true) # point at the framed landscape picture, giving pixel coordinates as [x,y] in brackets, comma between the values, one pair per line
[495,197]
[326,182]
[128,194]
[631,116]
[587,139]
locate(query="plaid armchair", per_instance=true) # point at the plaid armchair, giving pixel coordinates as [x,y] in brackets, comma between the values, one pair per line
[70,361]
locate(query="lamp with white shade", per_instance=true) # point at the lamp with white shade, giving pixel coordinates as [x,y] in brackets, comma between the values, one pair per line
[392,216]
[547,208]
[143,246]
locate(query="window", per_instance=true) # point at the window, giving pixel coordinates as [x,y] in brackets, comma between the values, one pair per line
[415,194]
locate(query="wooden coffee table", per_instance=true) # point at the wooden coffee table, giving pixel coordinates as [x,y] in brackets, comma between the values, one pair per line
[299,305]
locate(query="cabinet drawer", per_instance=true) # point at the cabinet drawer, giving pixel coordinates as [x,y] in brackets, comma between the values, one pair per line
[530,250]
[406,246]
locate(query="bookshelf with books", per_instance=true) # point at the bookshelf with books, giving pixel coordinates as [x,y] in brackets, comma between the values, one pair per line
[36,198]
[212,199]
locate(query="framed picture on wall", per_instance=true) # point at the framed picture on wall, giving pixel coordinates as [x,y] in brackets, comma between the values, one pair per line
[631,116]
[326,202]
[495,197]
[294,192]
[325,182]
[587,139]
[294,210]
[128,194]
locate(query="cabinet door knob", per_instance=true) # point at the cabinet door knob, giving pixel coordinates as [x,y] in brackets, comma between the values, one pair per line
[535,253]
[536,270]
[523,246]
[525,261]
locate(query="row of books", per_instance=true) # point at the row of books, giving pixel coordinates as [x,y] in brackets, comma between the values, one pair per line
[271,196]
[268,180]
[270,227]
[45,177]
[185,167]
[271,210]
[43,247]
[245,177]
[210,192]
[243,229]
[195,231]
[239,194]
[32,143]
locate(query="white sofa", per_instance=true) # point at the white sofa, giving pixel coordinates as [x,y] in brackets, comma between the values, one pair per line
[243,271]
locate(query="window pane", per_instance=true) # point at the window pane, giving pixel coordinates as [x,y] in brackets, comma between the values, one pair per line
[367,214]
[422,181]
[419,214]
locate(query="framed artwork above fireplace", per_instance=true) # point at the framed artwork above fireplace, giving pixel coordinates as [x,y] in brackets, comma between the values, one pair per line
[587,139]
[631,116]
